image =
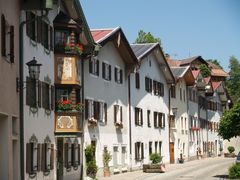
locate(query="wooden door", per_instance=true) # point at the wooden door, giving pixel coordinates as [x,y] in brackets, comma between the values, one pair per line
[172,159]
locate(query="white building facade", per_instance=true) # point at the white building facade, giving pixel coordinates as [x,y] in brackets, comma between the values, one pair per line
[106,98]
[149,97]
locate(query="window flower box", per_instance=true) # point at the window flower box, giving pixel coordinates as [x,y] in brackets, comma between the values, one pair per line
[92,121]
[67,105]
[74,48]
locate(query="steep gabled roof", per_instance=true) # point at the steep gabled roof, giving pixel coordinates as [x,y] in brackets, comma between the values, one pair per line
[219,72]
[143,50]
[140,50]
[189,60]
[183,72]
[115,35]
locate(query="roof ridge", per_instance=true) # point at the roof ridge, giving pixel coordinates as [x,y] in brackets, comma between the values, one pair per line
[105,29]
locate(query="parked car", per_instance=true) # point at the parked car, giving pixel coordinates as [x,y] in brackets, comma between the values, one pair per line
[238,158]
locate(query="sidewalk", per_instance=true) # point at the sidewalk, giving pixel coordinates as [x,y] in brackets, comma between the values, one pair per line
[139,174]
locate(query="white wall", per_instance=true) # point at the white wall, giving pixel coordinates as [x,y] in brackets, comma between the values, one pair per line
[110,92]
[148,101]
[182,127]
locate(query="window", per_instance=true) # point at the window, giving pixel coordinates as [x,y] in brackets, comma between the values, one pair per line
[148,84]
[94,66]
[155,88]
[124,155]
[118,115]
[138,116]
[137,80]
[45,35]
[159,119]
[150,148]
[106,71]
[173,92]
[96,110]
[32,26]
[115,156]
[139,151]
[148,118]
[161,85]
[61,38]
[7,40]
[118,75]
[103,112]
[89,110]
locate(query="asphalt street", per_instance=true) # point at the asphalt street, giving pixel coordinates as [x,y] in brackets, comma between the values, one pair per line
[205,169]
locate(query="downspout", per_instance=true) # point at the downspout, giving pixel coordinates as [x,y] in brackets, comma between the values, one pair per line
[21,94]
[188,121]
[130,127]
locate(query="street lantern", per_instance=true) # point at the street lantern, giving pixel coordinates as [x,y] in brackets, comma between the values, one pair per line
[34,69]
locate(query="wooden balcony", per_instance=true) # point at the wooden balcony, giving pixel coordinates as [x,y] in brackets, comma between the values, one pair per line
[67,69]
[68,122]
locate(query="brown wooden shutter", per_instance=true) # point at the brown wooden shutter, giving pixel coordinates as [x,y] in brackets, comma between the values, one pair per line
[96,110]
[38,157]
[137,81]
[52,97]
[31,92]
[163,119]
[39,30]
[86,109]
[141,117]
[142,151]
[121,115]
[90,66]
[110,73]
[115,73]
[28,25]
[121,76]
[3,35]
[103,70]
[73,154]
[79,151]
[28,158]
[162,89]
[146,84]
[150,84]
[155,119]
[115,113]
[160,119]
[39,94]
[105,112]
[136,151]
[51,38]
[136,116]
[154,87]
[97,61]
[66,155]
[52,157]
[43,162]
[12,44]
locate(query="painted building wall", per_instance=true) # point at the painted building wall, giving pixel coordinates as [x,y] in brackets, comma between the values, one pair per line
[112,93]
[180,135]
[148,101]
[38,122]
[9,104]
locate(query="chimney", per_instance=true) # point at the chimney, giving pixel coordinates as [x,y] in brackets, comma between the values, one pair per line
[167,56]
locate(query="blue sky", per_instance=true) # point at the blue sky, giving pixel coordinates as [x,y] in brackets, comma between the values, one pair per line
[210,28]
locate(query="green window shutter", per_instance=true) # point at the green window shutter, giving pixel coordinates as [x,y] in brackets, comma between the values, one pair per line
[105,112]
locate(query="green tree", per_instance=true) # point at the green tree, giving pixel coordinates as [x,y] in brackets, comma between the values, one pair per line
[205,70]
[215,61]
[233,82]
[229,125]
[144,37]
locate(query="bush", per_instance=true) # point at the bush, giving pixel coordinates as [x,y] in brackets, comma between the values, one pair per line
[234,171]
[90,162]
[106,158]
[231,149]
[155,158]
[92,169]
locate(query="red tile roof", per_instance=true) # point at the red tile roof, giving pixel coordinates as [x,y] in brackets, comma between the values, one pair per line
[100,34]
[215,85]
[195,73]
[219,72]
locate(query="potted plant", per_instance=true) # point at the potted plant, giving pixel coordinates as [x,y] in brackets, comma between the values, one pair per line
[156,165]
[64,105]
[106,159]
